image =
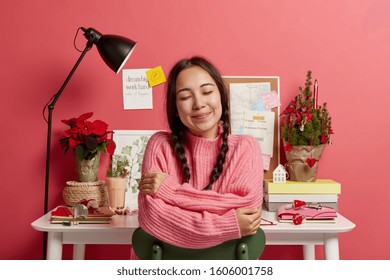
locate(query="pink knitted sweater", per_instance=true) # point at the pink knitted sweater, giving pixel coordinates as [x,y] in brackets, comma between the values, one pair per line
[184,214]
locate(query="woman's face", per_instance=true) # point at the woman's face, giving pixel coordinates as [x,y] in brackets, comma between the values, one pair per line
[198,102]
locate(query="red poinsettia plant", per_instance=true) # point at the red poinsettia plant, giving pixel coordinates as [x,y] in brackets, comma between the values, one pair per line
[87,138]
[303,122]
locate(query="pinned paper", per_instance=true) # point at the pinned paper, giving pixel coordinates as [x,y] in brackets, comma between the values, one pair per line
[270,100]
[137,94]
[266,161]
[260,125]
[156,76]
[243,97]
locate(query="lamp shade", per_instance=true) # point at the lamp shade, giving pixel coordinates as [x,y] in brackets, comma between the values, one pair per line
[114,49]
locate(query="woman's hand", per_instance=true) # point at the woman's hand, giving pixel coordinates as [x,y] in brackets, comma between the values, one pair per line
[151,182]
[248,220]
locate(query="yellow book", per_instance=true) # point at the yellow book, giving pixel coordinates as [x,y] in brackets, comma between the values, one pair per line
[322,186]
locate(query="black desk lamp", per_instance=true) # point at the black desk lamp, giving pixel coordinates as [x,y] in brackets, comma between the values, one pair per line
[114,50]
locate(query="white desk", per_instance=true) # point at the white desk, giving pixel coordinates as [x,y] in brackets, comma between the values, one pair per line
[121,229]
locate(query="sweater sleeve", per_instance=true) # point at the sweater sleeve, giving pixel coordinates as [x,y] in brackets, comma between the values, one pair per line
[185,228]
[245,189]
[184,216]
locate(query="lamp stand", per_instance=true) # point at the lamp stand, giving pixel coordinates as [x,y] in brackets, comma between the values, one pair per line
[48,145]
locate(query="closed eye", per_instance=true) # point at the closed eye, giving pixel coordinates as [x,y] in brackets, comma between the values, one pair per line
[183,98]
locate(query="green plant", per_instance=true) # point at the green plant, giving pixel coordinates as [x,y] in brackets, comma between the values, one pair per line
[303,123]
[118,166]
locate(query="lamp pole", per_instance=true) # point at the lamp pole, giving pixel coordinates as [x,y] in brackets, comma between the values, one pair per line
[114,50]
[48,145]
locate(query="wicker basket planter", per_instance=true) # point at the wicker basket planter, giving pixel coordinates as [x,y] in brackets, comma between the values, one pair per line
[76,191]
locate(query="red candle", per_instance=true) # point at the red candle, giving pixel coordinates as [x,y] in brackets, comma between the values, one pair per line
[315,94]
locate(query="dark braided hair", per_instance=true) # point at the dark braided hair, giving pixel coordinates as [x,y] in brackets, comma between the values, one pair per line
[178,128]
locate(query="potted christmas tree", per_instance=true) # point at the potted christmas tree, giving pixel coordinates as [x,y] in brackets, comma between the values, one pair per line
[306,129]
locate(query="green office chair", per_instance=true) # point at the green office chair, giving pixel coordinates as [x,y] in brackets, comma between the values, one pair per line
[147,247]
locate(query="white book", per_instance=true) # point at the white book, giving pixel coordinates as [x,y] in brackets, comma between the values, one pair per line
[273,201]
[287,198]
[273,206]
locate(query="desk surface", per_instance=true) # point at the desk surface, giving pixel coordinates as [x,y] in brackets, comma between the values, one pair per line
[121,229]
[121,223]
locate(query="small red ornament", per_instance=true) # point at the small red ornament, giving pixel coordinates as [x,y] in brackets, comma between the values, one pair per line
[297,204]
[288,147]
[298,219]
[323,138]
[311,161]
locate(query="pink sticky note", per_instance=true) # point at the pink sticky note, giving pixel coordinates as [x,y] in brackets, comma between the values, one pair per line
[270,99]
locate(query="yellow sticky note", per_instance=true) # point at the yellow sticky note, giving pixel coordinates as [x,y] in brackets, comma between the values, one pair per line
[258,118]
[156,76]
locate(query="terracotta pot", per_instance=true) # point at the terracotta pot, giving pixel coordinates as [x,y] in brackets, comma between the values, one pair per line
[297,167]
[116,187]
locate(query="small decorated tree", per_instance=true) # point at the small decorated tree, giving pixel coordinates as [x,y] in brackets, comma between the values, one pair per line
[304,123]
[306,128]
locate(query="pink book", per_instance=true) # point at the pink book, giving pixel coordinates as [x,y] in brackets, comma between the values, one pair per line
[287,212]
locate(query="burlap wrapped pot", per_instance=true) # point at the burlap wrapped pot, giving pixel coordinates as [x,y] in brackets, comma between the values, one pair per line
[297,167]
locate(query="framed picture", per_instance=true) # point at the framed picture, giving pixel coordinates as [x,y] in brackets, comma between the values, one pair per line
[132,143]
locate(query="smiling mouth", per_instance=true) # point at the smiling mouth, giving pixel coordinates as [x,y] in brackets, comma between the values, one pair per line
[201,116]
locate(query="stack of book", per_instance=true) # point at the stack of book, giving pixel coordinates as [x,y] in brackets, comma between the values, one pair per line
[65,215]
[323,191]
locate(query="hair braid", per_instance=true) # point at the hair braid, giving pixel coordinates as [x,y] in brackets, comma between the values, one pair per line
[180,155]
[217,170]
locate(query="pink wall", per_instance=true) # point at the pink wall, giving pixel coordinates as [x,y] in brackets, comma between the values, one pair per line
[345,43]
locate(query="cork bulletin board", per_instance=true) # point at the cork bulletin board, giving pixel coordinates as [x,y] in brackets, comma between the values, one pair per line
[274,86]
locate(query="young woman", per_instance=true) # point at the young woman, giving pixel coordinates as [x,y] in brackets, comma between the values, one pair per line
[201,185]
